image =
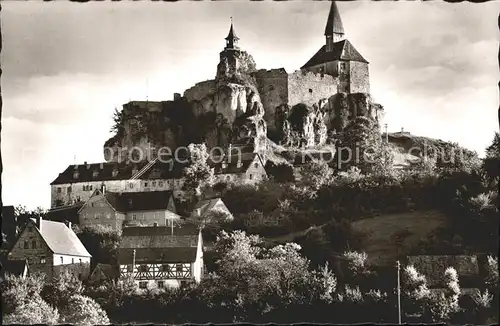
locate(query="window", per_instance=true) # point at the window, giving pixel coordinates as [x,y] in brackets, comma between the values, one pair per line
[76,175]
[108,215]
[69,189]
[91,204]
[165,268]
[62,260]
[129,268]
[153,184]
[178,268]
[160,183]
[95,174]
[228,177]
[256,165]
[131,185]
[145,184]
[142,268]
[72,260]
[115,173]
[143,285]
[84,188]
[310,90]
[251,176]
[161,285]
[25,244]
[90,187]
[42,260]
[80,260]
[134,217]
[33,244]
[58,190]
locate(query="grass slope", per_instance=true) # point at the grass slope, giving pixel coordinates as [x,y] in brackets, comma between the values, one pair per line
[387,237]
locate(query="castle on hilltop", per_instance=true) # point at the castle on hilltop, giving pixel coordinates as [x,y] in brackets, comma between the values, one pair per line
[245,106]
[242,107]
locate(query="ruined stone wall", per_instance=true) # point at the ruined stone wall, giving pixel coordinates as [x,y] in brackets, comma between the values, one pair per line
[359,77]
[309,88]
[272,86]
[200,90]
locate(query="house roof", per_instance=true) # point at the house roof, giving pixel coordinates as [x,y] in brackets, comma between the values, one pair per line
[206,205]
[334,23]
[104,172]
[61,239]
[64,213]
[139,201]
[14,267]
[229,165]
[105,270]
[342,50]
[157,255]
[157,244]
[433,267]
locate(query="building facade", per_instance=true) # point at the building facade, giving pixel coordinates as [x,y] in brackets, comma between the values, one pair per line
[114,209]
[50,246]
[160,257]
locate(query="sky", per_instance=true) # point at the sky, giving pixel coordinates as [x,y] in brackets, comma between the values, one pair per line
[67,66]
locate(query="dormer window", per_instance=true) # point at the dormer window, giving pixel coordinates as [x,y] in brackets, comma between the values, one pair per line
[114,173]
[95,174]
[239,164]
[224,165]
[134,171]
[76,174]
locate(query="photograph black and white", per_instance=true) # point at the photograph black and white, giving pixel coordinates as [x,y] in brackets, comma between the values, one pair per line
[172,162]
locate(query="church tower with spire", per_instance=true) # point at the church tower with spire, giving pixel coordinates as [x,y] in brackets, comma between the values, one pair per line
[339,58]
[231,39]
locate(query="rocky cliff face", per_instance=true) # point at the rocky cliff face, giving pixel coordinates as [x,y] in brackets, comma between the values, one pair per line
[229,110]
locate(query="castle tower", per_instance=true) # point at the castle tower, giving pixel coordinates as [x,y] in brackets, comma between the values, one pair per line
[231,39]
[339,58]
[334,30]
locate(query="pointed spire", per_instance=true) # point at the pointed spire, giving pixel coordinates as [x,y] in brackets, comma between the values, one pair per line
[334,23]
[231,39]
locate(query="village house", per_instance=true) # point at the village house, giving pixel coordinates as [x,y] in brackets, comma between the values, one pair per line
[113,209]
[244,168]
[50,247]
[208,208]
[161,256]
[103,273]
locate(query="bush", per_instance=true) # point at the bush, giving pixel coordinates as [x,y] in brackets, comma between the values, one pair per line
[82,310]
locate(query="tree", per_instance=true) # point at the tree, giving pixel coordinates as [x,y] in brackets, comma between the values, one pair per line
[102,242]
[23,215]
[61,288]
[198,173]
[315,174]
[361,146]
[491,163]
[22,302]
[34,311]
[415,291]
[82,310]
[453,158]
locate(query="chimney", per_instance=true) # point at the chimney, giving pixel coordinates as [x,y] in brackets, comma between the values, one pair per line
[177,96]
[101,165]
[402,129]
[39,222]
[69,225]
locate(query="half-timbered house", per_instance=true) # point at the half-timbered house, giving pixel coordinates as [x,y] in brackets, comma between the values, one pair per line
[161,256]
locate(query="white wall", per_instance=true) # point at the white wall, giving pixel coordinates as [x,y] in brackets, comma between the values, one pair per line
[68,259]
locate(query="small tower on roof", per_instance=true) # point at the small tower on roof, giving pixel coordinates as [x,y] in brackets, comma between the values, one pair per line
[334,30]
[231,39]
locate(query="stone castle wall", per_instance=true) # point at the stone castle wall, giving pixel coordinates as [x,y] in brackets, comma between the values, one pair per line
[359,77]
[273,90]
[309,88]
[200,90]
